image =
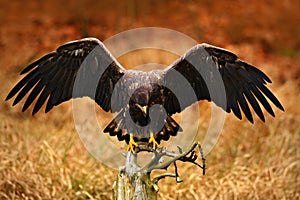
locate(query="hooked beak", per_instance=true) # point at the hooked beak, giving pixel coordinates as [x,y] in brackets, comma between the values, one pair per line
[143,109]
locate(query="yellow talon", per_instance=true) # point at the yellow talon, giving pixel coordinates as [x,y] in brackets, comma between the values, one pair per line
[132,144]
[153,141]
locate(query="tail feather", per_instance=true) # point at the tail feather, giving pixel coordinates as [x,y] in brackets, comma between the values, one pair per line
[117,128]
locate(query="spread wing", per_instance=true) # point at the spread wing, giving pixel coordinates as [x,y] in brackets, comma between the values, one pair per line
[218,75]
[76,69]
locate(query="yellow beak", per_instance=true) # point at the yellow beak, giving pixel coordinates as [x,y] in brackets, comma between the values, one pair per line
[143,108]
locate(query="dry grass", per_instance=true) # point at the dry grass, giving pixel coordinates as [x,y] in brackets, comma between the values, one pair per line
[43,158]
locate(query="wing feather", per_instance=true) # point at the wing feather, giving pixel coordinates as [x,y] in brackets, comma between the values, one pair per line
[218,75]
[33,94]
[254,103]
[75,69]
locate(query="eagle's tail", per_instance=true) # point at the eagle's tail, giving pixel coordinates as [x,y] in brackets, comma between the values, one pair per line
[116,128]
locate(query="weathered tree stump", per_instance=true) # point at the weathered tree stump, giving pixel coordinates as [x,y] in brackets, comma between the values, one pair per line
[135,183]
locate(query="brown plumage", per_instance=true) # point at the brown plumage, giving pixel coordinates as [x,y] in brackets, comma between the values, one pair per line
[145,101]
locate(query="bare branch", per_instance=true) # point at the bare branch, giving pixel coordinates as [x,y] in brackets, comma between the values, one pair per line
[188,156]
[139,178]
[156,179]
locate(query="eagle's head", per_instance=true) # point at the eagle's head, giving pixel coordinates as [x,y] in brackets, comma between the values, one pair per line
[139,104]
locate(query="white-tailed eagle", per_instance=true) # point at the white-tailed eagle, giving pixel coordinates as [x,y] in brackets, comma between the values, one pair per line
[86,68]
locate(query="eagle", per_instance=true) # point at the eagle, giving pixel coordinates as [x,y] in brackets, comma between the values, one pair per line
[144,101]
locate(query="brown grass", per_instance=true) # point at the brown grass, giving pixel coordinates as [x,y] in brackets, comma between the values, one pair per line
[42,157]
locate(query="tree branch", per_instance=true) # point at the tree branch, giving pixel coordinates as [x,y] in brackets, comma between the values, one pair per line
[139,178]
[188,156]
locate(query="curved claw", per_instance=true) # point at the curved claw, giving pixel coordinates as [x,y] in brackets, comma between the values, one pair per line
[152,141]
[132,144]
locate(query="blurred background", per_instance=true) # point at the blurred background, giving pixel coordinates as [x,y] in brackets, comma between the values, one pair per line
[42,157]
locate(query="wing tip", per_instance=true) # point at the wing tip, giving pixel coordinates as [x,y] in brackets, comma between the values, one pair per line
[34,111]
[8,97]
[280,106]
[12,93]
[24,109]
[250,119]
[26,69]
[262,119]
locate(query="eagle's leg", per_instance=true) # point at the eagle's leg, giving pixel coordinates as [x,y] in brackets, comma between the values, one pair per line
[153,142]
[132,144]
